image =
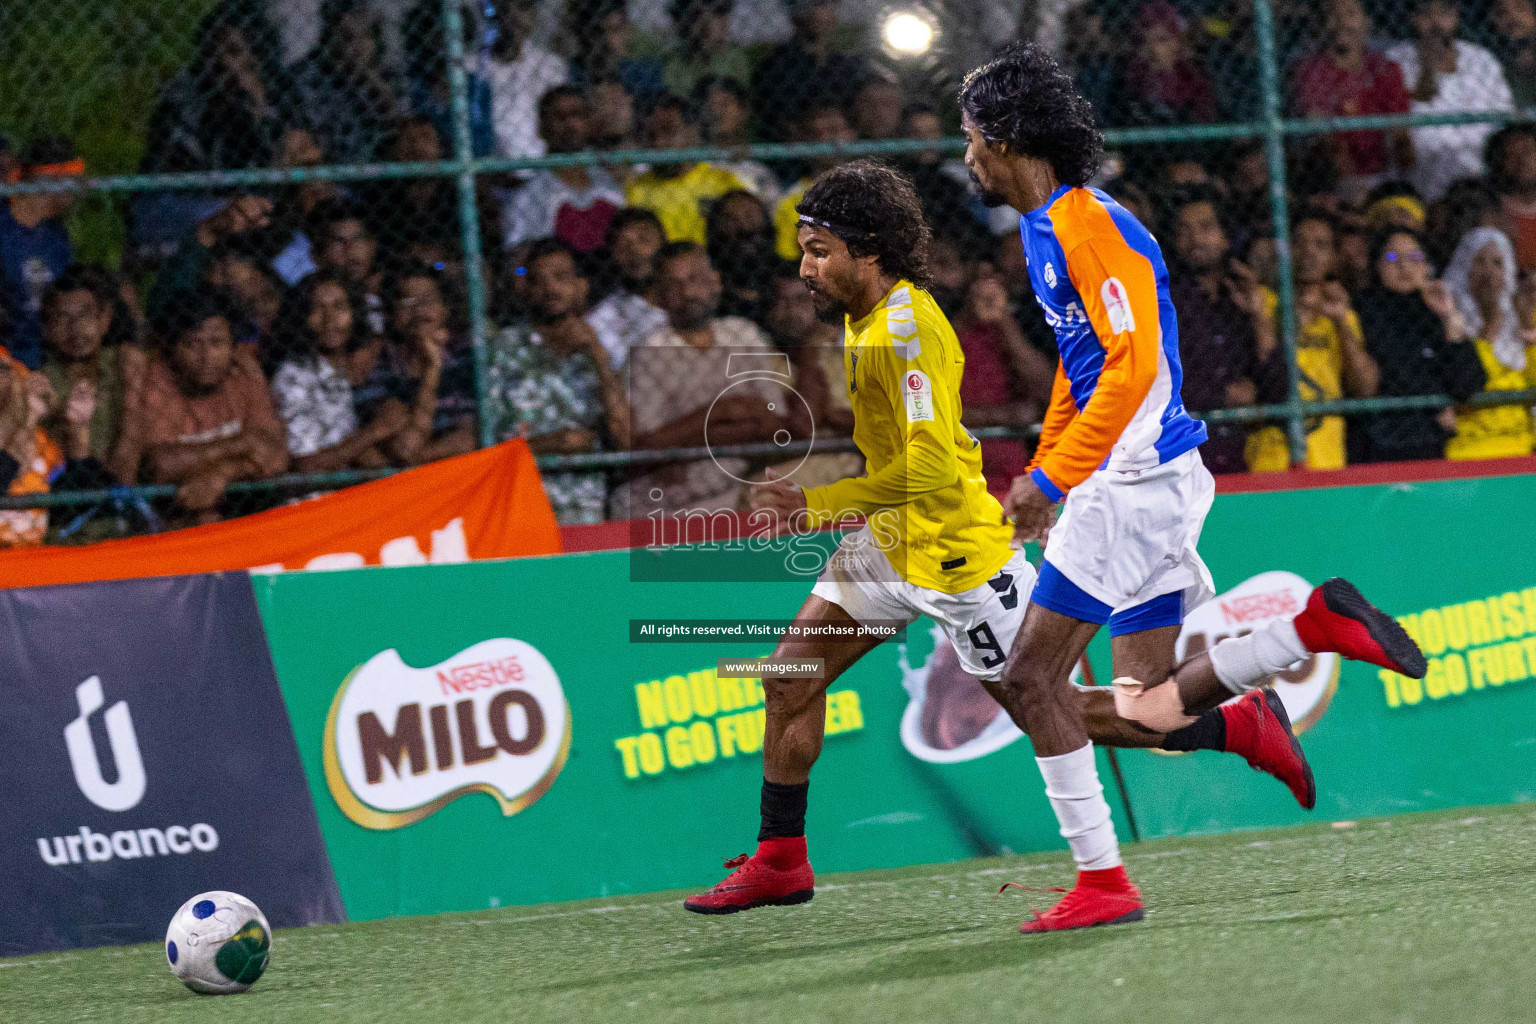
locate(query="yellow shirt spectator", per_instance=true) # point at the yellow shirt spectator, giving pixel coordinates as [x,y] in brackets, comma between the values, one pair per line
[681,202]
[1320,360]
[1499,431]
[786,222]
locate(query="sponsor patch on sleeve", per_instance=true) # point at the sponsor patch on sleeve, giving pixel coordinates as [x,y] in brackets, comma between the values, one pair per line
[918,393]
[1117,305]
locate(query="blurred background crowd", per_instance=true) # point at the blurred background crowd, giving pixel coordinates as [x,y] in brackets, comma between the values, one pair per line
[201,337]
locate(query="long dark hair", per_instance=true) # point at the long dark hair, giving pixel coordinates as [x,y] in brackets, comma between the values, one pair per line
[1028,102]
[293,334]
[876,212]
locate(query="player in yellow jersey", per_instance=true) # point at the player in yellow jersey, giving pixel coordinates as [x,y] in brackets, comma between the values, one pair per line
[934,543]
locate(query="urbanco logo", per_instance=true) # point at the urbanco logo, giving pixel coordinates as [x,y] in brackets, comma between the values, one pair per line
[401,743]
[85,760]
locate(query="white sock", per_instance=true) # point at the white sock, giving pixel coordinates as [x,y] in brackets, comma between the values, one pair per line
[1241,661]
[1077,797]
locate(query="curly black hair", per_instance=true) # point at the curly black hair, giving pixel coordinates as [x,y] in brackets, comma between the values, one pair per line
[1025,100]
[874,209]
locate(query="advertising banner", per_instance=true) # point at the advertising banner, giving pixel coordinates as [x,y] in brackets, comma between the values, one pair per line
[487,734]
[487,504]
[505,733]
[146,756]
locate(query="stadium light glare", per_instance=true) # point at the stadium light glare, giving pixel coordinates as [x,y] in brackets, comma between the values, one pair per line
[908,34]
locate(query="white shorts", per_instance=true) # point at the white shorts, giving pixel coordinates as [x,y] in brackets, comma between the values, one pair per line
[980,622]
[1126,538]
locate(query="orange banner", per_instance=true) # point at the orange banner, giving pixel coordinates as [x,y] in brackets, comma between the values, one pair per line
[487,504]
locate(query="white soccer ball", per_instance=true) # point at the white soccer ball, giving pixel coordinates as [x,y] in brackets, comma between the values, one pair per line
[218,943]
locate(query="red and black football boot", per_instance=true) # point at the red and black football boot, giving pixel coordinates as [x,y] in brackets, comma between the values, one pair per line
[1259,729]
[1099,897]
[777,875]
[1339,618]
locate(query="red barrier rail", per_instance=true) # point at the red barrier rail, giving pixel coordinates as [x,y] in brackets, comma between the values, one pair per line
[618,534]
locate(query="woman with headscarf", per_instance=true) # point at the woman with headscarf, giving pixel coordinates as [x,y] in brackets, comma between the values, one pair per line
[1481,278]
[1420,342]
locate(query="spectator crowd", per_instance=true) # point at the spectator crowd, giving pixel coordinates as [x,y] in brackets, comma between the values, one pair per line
[323,326]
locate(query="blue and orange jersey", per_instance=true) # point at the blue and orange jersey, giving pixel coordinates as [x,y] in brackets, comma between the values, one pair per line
[1100,278]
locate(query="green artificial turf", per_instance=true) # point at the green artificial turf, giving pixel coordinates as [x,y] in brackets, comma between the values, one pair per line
[1413,918]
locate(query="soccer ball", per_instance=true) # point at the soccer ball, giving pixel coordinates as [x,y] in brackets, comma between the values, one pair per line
[218,943]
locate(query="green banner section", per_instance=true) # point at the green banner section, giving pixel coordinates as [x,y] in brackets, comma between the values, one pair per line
[487,734]
[544,729]
[1455,562]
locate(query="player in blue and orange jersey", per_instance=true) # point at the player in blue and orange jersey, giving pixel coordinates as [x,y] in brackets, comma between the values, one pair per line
[934,541]
[1119,454]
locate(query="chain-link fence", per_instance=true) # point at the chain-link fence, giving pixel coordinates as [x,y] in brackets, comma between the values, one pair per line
[252,250]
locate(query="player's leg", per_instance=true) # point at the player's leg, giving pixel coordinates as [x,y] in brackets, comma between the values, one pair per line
[1107,728]
[983,625]
[797,708]
[1190,706]
[779,872]
[1256,728]
[1337,619]
[1166,564]
[1036,690]
[796,715]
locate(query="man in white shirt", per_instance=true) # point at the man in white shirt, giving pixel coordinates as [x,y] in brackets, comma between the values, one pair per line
[518,72]
[573,204]
[1448,75]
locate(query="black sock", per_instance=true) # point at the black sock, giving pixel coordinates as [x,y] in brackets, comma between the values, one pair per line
[1208,732]
[783,811]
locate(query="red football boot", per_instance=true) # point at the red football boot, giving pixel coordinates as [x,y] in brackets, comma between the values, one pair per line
[1259,729]
[1339,618]
[777,875]
[1099,897]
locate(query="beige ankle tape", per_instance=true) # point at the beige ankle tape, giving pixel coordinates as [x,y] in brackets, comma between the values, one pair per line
[1158,708]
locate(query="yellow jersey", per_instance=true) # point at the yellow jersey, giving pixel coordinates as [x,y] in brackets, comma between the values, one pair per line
[923,492]
[1320,362]
[681,203]
[1498,431]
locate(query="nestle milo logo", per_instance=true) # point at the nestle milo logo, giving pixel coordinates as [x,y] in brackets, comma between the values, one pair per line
[402,743]
[481,675]
[1306,687]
